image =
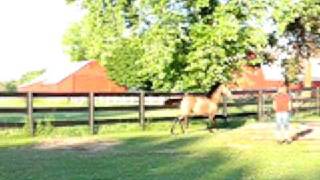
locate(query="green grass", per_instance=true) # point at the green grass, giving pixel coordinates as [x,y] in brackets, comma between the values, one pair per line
[236,152]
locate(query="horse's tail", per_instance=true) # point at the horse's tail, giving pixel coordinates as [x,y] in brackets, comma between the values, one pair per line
[173,101]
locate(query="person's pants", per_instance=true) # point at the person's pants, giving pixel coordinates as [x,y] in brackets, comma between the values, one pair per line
[282,120]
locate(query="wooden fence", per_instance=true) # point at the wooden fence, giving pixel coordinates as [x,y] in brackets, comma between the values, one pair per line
[259,98]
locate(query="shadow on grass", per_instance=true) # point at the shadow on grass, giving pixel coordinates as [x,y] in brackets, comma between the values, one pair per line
[232,123]
[154,158]
[135,158]
[229,123]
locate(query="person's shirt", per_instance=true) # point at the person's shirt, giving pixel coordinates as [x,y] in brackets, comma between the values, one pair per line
[282,102]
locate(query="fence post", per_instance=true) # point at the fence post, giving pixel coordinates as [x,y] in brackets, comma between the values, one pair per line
[260,105]
[91,112]
[225,109]
[142,109]
[318,100]
[29,113]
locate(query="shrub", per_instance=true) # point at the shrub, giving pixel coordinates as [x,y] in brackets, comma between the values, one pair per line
[44,126]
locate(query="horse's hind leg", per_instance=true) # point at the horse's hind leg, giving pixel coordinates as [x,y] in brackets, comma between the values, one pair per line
[187,122]
[184,123]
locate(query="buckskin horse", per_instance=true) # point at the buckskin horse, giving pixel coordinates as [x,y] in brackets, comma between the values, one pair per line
[201,105]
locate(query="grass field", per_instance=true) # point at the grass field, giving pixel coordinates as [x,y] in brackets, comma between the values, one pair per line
[244,150]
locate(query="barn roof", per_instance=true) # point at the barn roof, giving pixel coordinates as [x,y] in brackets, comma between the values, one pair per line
[84,76]
[56,74]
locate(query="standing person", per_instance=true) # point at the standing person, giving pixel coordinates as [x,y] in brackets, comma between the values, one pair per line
[282,106]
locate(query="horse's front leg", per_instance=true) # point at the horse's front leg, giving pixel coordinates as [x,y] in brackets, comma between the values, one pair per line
[176,120]
[184,123]
[212,123]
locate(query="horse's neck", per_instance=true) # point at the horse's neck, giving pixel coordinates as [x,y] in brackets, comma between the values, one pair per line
[215,98]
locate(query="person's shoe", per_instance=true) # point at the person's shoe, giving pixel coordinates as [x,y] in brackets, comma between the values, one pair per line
[280,141]
[288,141]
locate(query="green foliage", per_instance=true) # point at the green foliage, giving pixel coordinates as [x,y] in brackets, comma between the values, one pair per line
[299,23]
[292,69]
[29,76]
[2,86]
[180,44]
[168,45]
[10,86]
[44,127]
[26,130]
[123,64]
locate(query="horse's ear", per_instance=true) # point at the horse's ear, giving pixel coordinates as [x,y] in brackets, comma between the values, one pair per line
[226,90]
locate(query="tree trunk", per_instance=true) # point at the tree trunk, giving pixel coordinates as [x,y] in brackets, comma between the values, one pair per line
[308,74]
[307,83]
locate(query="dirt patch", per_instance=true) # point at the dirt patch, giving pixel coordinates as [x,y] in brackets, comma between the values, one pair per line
[298,131]
[75,144]
[259,126]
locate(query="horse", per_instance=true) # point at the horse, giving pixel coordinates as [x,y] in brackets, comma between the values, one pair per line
[201,105]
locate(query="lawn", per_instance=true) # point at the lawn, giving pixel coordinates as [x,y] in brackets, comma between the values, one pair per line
[243,150]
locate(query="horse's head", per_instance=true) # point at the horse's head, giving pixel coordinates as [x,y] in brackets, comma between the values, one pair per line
[220,90]
[225,90]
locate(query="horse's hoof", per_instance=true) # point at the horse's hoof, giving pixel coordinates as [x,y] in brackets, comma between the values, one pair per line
[172,132]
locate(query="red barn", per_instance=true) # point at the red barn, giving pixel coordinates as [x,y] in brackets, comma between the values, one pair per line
[270,77]
[85,76]
[258,78]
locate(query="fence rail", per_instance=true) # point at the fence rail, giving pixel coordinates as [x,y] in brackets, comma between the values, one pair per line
[258,98]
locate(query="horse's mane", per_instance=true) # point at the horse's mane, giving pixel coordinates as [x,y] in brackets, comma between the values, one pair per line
[213,89]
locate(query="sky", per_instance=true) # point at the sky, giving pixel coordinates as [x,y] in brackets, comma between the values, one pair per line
[31,35]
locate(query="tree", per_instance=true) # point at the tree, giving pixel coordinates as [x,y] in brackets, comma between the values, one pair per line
[123,64]
[2,86]
[299,24]
[169,44]
[29,76]
[10,86]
